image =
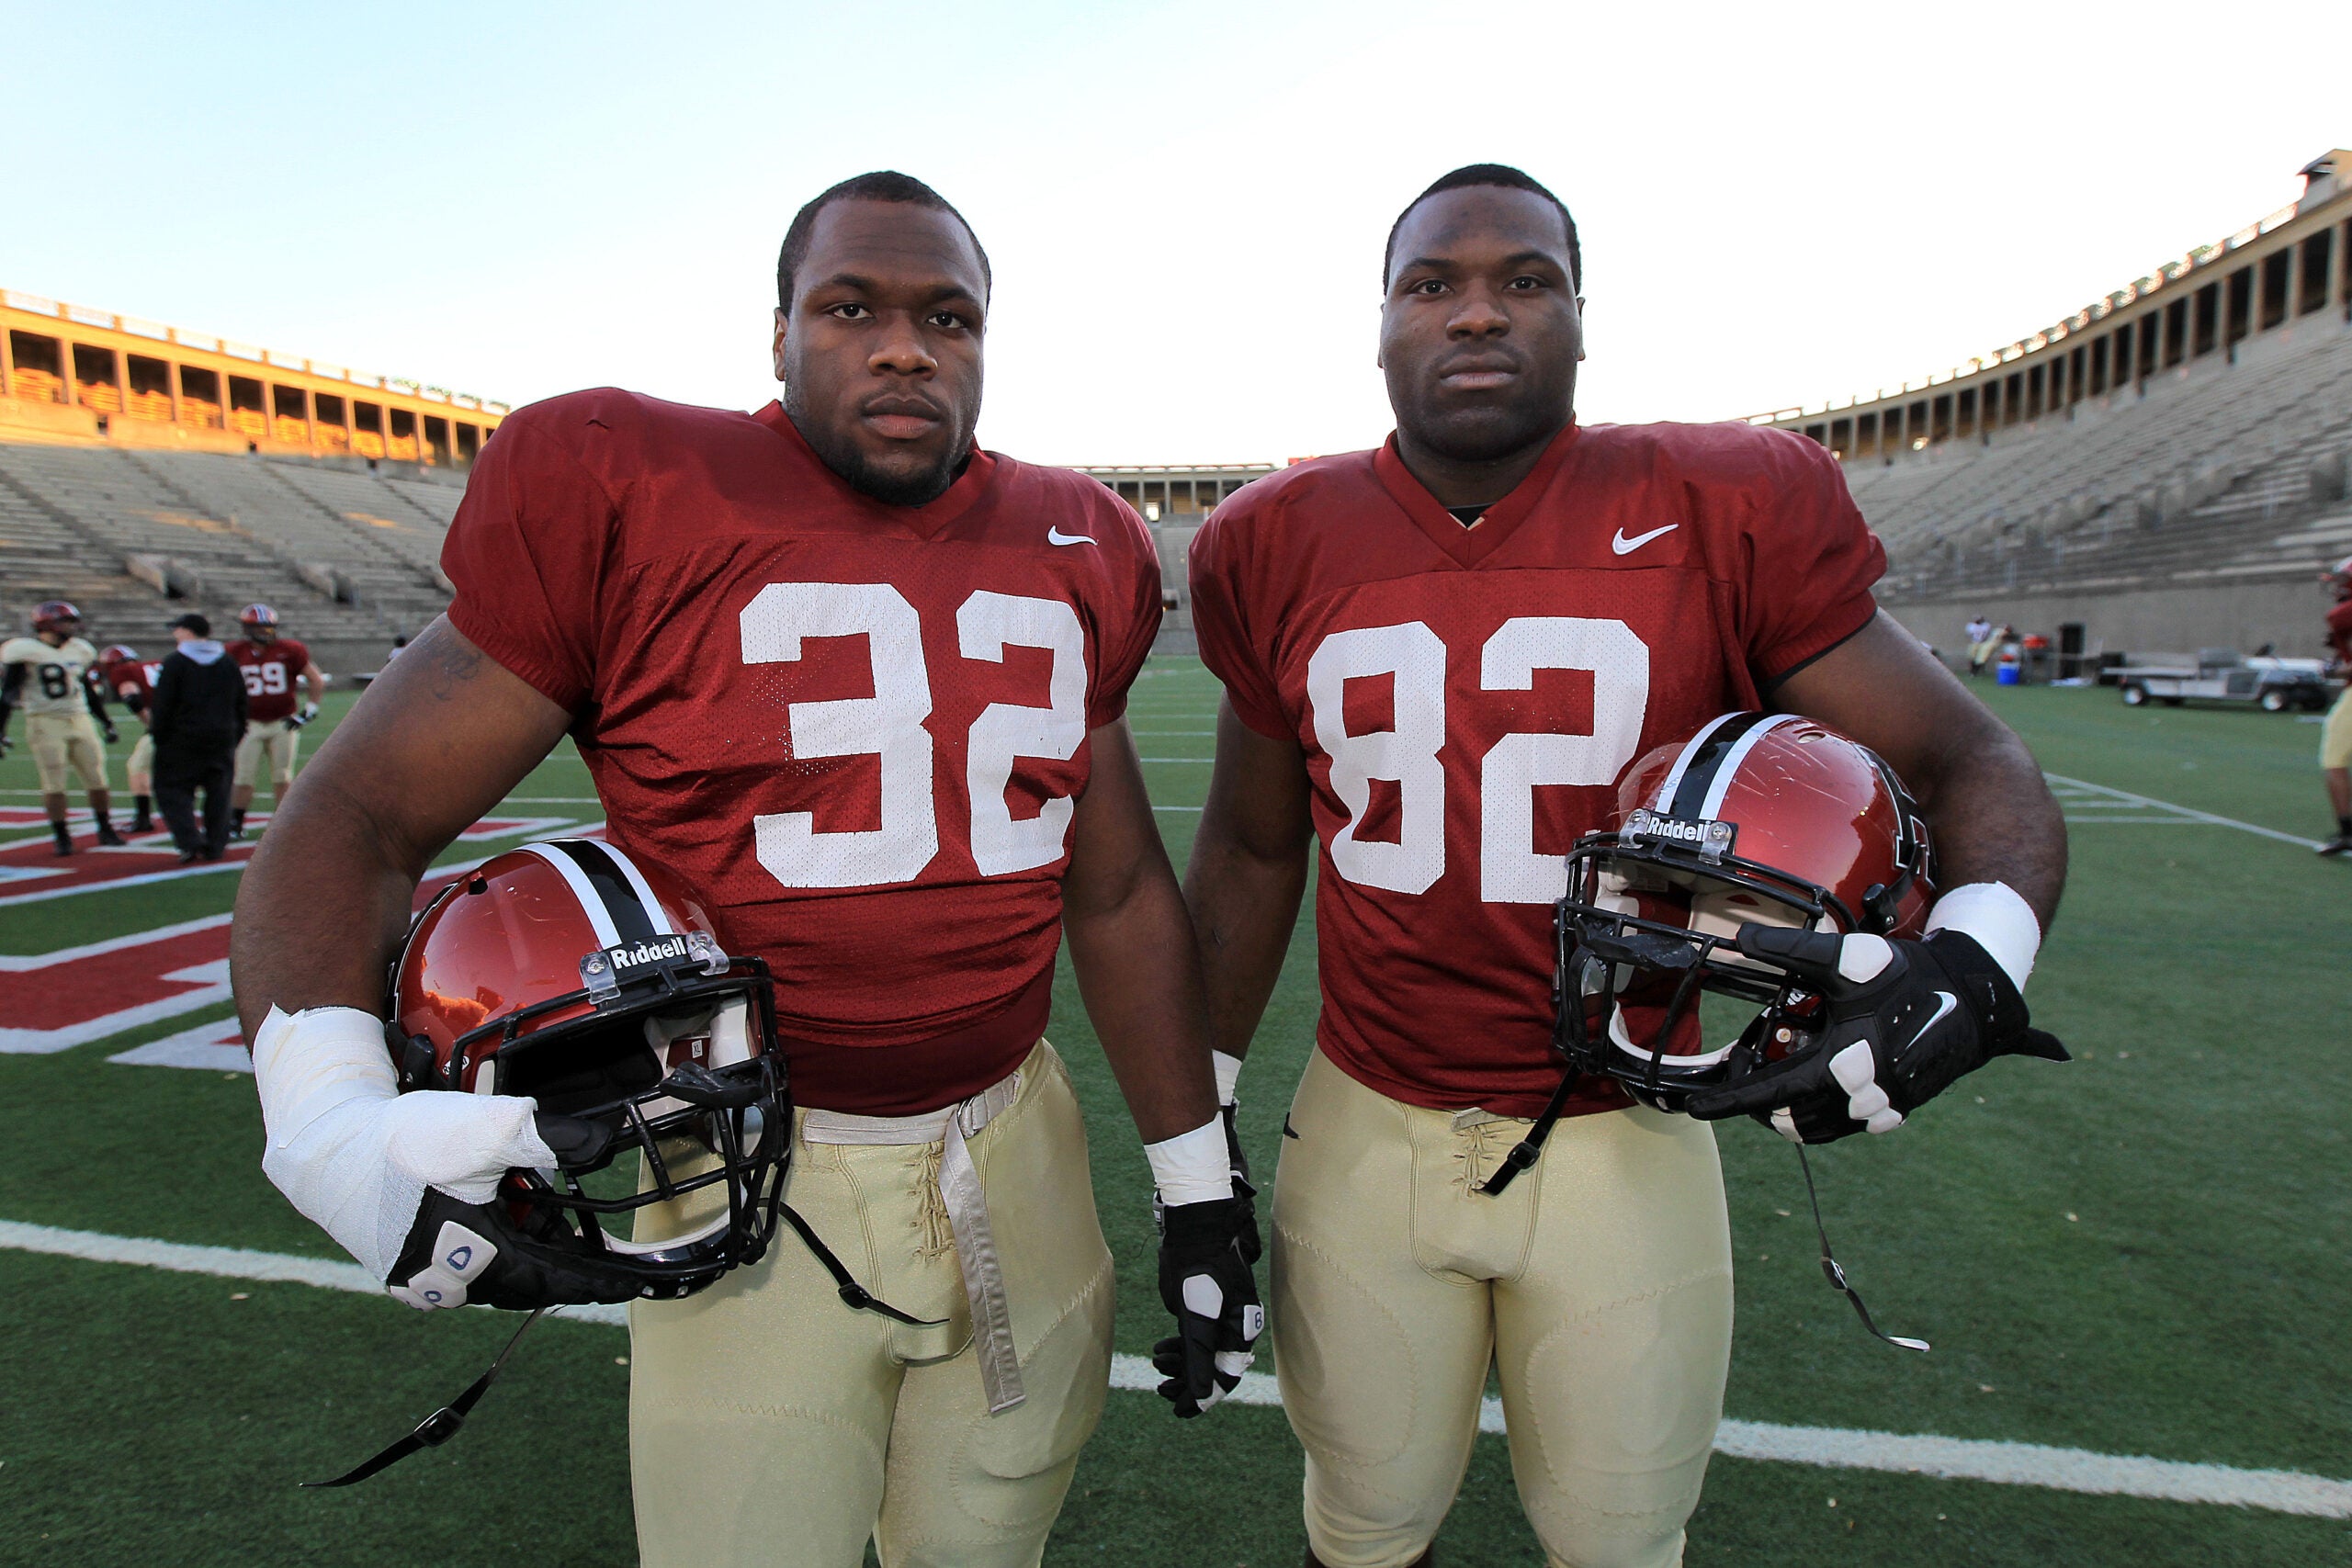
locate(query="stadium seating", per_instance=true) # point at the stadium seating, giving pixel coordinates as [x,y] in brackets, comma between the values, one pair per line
[2224,471]
[135,537]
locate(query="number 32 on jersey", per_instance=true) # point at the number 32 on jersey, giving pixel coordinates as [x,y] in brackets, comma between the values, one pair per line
[1509,869]
[890,725]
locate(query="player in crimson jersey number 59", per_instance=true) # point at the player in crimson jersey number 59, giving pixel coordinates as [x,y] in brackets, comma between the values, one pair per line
[1438,659]
[860,686]
[272,664]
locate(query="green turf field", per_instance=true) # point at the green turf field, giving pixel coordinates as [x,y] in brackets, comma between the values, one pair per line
[2146,1253]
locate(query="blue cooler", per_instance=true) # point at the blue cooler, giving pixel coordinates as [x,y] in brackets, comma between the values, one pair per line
[2007,675]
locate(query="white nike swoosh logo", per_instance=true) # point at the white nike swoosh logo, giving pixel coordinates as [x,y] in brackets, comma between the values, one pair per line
[1055,536]
[1625,547]
[1945,1002]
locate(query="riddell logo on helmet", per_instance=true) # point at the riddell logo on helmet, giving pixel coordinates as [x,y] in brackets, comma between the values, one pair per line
[1714,837]
[644,952]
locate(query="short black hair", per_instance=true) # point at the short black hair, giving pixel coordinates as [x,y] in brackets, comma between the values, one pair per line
[1501,174]
[194,621]
[882,185]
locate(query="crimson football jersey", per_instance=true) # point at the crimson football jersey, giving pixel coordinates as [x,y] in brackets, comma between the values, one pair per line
[133,680]
[857,730]
[271,670]
[2339,630]
[1466,697]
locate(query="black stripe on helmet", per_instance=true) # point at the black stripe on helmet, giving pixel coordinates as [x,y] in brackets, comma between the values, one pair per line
[1691,797]
[631,921]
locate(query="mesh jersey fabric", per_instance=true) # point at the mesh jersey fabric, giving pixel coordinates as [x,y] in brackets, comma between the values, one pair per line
[271,669]
[1466,698]
[856,729]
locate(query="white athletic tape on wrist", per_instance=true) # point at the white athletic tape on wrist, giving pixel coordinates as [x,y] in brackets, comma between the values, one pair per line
[353,1155]
[1228,1075]
[2000,920]
[1191,1168]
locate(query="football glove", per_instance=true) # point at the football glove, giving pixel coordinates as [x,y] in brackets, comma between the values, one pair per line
[405,1182]
[309,712]
[106,727]
[1900,1022]
[1204,1280]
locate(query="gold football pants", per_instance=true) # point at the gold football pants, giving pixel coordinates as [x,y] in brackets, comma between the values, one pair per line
[769,1424]
[1598,1285]
[268,747]
[63,744]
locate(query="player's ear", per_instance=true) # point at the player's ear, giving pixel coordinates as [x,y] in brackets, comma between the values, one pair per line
[777,349]
[1579,329]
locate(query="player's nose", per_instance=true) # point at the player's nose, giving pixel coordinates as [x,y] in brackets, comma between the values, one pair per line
[902,352]
[1480,314]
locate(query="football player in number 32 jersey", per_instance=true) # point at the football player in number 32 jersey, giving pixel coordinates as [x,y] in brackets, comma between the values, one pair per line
[1437,658]
[860,686]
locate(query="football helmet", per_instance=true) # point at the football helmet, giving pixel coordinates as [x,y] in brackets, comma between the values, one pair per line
[1757,819]
[2339,577]
[117,652]
[56,615]
[568,972]
[260,622]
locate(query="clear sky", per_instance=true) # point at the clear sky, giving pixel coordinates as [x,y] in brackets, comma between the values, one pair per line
[1184,203]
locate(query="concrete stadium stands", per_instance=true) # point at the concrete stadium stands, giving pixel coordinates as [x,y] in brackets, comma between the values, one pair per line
[2227,474]
[135,537]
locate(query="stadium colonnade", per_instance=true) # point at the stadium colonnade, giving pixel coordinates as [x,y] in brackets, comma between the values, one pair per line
[2164,469]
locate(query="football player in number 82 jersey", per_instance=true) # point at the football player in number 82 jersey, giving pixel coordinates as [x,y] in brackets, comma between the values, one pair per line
[861,685]
[1437,658]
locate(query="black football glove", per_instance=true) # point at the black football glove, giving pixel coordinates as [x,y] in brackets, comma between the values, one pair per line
[1900,1022]
[461,1254]
[1244,1189]
[1204,1280]
[106,727]
[296,720]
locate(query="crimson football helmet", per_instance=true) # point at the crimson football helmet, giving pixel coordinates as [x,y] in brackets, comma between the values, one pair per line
[1756,819]
[260,622]
[117,652]
[56,615]
[568,972]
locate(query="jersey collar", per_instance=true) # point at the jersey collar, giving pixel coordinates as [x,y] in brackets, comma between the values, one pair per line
[1469,546]
[927,521]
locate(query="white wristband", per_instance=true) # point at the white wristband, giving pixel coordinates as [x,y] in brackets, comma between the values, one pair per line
[1229,1074]
[2000,920]
[1191,1168]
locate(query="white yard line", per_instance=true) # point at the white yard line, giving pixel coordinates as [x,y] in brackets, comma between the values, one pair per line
[2125,796]
[1835,1447]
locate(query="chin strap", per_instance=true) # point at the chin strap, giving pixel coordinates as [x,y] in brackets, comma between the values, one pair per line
[442,1425]
[446,1422]
[1835,1275]
[858,1296]
[1529,1149]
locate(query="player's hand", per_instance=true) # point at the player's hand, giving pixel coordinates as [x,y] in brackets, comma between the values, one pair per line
[1204,1280]
[309,712]
[405,1182]
[1901,1021]
[106,727]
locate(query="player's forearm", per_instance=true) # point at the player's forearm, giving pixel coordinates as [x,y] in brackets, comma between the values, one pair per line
[1994,819]
[321,908]
[1244,906]
[1141,984]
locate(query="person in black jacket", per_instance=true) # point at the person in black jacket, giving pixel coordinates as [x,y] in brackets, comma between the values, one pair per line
[196,719]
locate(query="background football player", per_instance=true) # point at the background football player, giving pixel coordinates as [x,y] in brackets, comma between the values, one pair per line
[272,664]
[2336,734]
[1437,657]
[51,675]
[133,680]
[861,685]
